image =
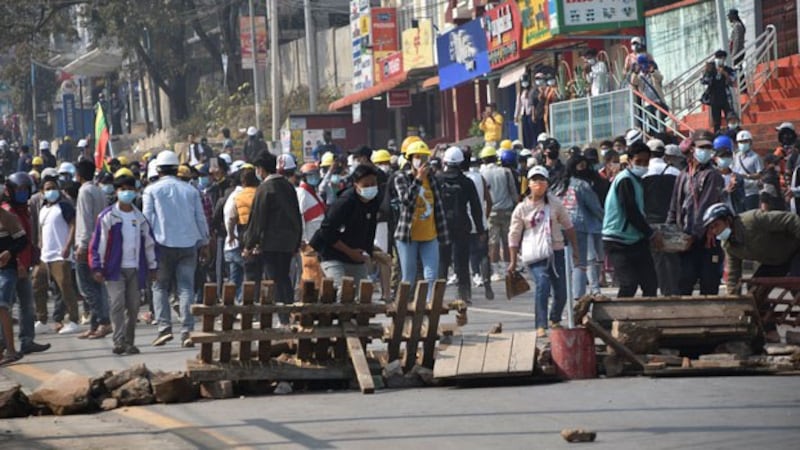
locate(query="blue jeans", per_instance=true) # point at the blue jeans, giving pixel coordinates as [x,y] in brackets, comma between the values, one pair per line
[427,252]
[8,285]
[25,299]
[94,293]
[590,256]
[236,270]
[549,275]
[178,265]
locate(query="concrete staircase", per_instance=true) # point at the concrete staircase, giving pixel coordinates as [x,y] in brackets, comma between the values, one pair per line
[778,102]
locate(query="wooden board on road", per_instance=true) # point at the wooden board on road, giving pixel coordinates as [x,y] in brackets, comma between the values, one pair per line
[487,356]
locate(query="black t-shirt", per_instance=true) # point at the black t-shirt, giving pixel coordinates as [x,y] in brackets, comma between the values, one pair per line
[351,221]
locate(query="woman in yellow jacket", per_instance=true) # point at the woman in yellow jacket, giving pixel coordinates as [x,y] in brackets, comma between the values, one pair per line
[491,125]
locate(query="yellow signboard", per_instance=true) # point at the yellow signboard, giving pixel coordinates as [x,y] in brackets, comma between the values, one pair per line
[418,46]
[535,22]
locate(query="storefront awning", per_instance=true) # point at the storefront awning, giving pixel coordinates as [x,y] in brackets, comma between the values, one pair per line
[511,76]
[366,94]
[96,63]
[431,82]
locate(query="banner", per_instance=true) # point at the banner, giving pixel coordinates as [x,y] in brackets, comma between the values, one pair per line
[535,18]
[418,46]
[363,72]
[594,15]
[389,67]
[503,31]
[384,36]
[246,41]
[462,54]
[69,112]
[102,135]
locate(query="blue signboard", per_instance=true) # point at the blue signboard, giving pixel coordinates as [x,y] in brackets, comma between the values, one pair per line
[463,54]
[70,113]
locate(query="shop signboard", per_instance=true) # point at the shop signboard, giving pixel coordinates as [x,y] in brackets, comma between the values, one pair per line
[570,16]
[463,54]
[418,46]
[503,31]
[535,18]
[389,66]
[362,54]
[398,98]
[384,37]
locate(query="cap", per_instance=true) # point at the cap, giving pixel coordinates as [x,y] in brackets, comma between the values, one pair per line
[591,154]
[672,150]
[636,40]
[363,152]
[538,171]
[237,165]
[655,145]
[633,135]
[286,162]
[703,138]
[785,125]
[542,137]
[226,157]
[453,155]
[82,143]
[516,143]
[252,131]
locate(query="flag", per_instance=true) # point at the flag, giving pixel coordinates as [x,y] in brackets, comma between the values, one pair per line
[102,136]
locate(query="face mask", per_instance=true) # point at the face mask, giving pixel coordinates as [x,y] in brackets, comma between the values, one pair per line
[385,168]
[525,84]
[368,193]
[635,48]
[702,155]
[539,82]
[138,184]
[107,189]
[724,163]
[312,180]
[126,197]
[335,179]
[744,146]
[203,182]
[591,61]
[638,171]
[724,235]
[417,163]
[733,126]
[52,195]
[21,196]
[719,61]
[551,82]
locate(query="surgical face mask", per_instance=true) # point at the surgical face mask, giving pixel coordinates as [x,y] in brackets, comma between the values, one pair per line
[138,185]
[724,163]
[551,82]
[107,189]
[591,61]
[368,193]
[126,197]
[724,235]
[719,61]
[21,196]
[733,125]
[635,48]
[417,162]
[386,168]
[312,180]
[335,179]
[203,182]
[525,84]
[744,146]
[702,155]
[52,195]
[639,171]
[539,82]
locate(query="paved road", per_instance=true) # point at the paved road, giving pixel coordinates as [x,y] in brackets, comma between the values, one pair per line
[726,412]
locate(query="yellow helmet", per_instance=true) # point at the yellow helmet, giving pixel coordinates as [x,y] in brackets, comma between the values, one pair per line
[327,160]
[418,148]
[146,157]
[506,144]
[184,171]
[407,142]
[381,156]
[247,166]
[37,161]
[488,152]
[123,160]
[124,172]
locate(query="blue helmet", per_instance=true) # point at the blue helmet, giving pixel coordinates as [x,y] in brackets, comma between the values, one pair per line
[508,158]
[723,142]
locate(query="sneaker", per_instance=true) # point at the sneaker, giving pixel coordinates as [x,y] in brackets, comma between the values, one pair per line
[41,328]
[119,350]
[488,292]
[498,277]
[132,350]
[162,338]
[70,328]
[86,318]
[541,332]
[452,280]
[33,347]
[186,340]
[477,280]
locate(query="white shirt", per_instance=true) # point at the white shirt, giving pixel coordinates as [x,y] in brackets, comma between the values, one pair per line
[228,210]
[477,180]
[599,78]
[658,166]
[55,232]
[130,237]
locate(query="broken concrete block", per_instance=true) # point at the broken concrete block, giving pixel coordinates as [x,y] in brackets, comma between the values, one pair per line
[116,380]
[217,389]
[777,349]
[424,374]
[135,392]
[283,388]
[172,387]
[719,357]
[793,337]
[65,392]
[578,435]
[13,402]
[638,338]
[109,403]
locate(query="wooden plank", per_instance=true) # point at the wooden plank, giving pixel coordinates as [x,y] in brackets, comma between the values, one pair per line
[373,330]
[305,347]
[343,318]
[267,298]
[293,308]
[228,296]
[359,360]
[271,370]
[365,290]
[675,298]
[498,353]
[523,353]
[419,302]
[606,337]
[692,322]
[245,347]
[327,295]
[209,298]
[434,311]
[473,351]
[447,356]
[700,332]
[399,321]
[603,312]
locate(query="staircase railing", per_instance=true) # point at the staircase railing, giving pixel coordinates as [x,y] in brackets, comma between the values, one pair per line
[758,65]
[656,120]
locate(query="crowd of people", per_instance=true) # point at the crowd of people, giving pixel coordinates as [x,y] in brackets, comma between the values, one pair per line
[107,240]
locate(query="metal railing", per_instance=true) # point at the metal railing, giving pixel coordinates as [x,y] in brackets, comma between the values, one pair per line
[758,65]
[591,119]
[652,118]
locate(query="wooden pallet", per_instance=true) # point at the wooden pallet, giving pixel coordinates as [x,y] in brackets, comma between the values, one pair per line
[778,299]
[328,339]
[487,356]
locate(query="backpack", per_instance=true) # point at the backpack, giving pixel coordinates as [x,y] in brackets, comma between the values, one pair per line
[453,202]
[537,241]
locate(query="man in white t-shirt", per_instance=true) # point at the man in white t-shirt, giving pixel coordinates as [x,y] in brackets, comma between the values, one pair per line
[478,242]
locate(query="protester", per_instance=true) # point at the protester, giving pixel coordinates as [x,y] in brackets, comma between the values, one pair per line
[596,72]
[504,194]
[747,163]
[539,225]
[253,146]
[658,184]
[733,194]
[478,241]
[719,79]
[736,39]
[12,242]
[491,124]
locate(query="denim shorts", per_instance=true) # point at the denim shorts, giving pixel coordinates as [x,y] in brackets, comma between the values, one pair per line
[8,287]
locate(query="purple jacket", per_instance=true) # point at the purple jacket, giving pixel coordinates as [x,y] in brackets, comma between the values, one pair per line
[105,248]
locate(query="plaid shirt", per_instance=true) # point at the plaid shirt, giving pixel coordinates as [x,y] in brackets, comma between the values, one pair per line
[407,187]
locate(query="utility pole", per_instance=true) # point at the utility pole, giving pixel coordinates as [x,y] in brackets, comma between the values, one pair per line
[254,52]
[311,57]
[274,49]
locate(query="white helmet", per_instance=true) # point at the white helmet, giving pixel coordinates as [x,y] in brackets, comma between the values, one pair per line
[286,162]
[633,135]
[542,137]
[44,145]
[67,167]
[226,157]
[167,158]
[516,143]
[453,155]
[252,131]
[237,165]
[152,170]
[744,135]
[82,143]
[3,144]
[785,125]
[538,170]
[655,145]
[524,153]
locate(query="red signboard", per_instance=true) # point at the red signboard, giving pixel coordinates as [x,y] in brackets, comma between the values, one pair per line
[384,30]
[389,66]
[398,98]
[503,27]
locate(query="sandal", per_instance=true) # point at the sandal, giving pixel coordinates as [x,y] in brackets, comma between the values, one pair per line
[10,358]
